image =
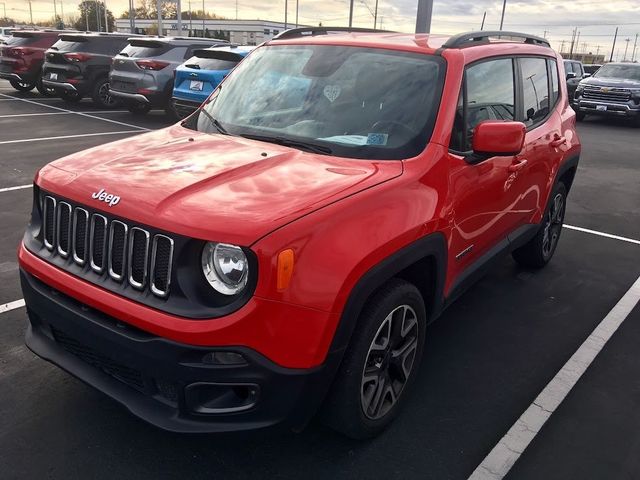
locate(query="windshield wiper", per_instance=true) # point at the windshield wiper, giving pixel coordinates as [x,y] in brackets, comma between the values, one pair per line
[216,123]
[287,142]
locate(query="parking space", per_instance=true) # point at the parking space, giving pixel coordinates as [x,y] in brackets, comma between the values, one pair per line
[486,360]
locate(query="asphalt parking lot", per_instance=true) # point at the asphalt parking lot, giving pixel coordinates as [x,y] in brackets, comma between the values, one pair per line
[486,361]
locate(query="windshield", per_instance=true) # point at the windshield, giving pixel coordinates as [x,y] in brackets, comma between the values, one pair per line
[348,101]
[631,72]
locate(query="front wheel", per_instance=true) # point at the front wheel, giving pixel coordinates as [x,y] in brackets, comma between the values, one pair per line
[22,86]
[538,251]
[380,364]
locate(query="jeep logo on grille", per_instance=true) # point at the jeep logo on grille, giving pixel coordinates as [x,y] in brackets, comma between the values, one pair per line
[105,197]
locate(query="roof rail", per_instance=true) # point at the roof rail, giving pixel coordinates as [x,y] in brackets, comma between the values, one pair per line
[470,39]
[308,31]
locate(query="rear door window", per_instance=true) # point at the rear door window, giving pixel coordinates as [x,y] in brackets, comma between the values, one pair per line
[535,89]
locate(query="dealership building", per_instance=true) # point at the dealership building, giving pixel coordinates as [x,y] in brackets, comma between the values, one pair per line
[243,32]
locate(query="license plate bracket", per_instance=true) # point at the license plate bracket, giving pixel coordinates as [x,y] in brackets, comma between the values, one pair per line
[196,85]
[601,108]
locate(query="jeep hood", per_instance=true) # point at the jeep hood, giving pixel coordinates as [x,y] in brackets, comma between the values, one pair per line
[213,187]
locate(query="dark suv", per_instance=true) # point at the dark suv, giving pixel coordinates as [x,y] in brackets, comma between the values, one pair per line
[614,90]
[575,73]
[22,56]
[142,73]
[78,65]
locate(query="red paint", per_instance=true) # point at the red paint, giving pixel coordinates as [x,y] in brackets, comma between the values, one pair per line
[340,217]
[27,61]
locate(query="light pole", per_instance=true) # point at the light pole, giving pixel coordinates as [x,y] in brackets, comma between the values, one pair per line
[297,7]
[132,14]
[202,18]
[106,20]
[504,7]
[423,16]
[613,49]
[286,5]
[351,13]
[4,7]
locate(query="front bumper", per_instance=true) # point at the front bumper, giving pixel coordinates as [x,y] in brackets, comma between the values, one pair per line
[166,383]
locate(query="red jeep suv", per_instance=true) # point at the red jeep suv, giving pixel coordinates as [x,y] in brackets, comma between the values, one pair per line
[282,250]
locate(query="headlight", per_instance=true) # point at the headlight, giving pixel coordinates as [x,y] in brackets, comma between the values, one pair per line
[225,267]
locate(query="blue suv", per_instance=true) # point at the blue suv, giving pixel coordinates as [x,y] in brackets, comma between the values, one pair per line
[200,75]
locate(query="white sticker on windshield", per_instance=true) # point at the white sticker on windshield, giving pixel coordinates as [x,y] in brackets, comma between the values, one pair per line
[377,139]
[332,92]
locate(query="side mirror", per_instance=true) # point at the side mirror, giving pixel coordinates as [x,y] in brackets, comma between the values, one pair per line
[494,138]
[571,75]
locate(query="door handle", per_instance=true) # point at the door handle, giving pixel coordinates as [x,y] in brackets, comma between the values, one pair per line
[557,141]
[517,166]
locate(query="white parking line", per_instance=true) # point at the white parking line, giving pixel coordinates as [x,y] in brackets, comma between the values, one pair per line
[500,460]
[12,305]
[60,113]
[602,234]
[19,187]
[41,139]
[78,113]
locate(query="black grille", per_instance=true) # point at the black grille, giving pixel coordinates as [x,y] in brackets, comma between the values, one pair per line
[80,229]
[98,242]
[64,229]
[128,375]
[117,249]
[161,261]
[139,252]
[111,246]
[607,94]
[49,222]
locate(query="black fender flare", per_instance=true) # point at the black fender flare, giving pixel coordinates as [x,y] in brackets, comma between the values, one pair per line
[433,245]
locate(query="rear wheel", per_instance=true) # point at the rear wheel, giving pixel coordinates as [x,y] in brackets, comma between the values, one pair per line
[538,251]
[100,95]
[70,96]
[139,108]
[22,86]
[380,364]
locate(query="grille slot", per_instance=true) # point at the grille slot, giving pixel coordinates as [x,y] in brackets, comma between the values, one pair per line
[98,242]
[138,257]
[109,247]
[48,222]
[63,230]
[80,237]
[161,260]
[117,250]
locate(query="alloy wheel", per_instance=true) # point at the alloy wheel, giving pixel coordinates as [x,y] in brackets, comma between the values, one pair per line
[389,362]
[553,225]
[105,98]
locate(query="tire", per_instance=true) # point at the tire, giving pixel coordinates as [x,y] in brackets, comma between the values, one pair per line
[70,97]
[139,108]
[100,95]
[22,86]
[540,249]
[355,405]
[44,90]
[580,116]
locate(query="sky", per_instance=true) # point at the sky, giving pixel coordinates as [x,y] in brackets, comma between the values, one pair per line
[596,20]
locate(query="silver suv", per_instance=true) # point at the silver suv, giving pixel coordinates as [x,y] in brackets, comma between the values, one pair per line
[142,73]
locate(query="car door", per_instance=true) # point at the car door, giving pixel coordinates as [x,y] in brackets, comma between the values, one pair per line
[544,141]
[486,196]
[577,75]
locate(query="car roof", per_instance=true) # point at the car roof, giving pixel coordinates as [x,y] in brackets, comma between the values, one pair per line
[489,41]
[181,40]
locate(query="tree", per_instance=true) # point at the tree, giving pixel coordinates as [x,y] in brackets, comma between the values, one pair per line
[95,19]
[7,22]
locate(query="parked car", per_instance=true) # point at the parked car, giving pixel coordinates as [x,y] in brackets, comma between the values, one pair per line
[575,73]
[78,65]
[198,77]
[614,90]
[591,69]
[5,32]
[22,56]
[142,73]
[282,250]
